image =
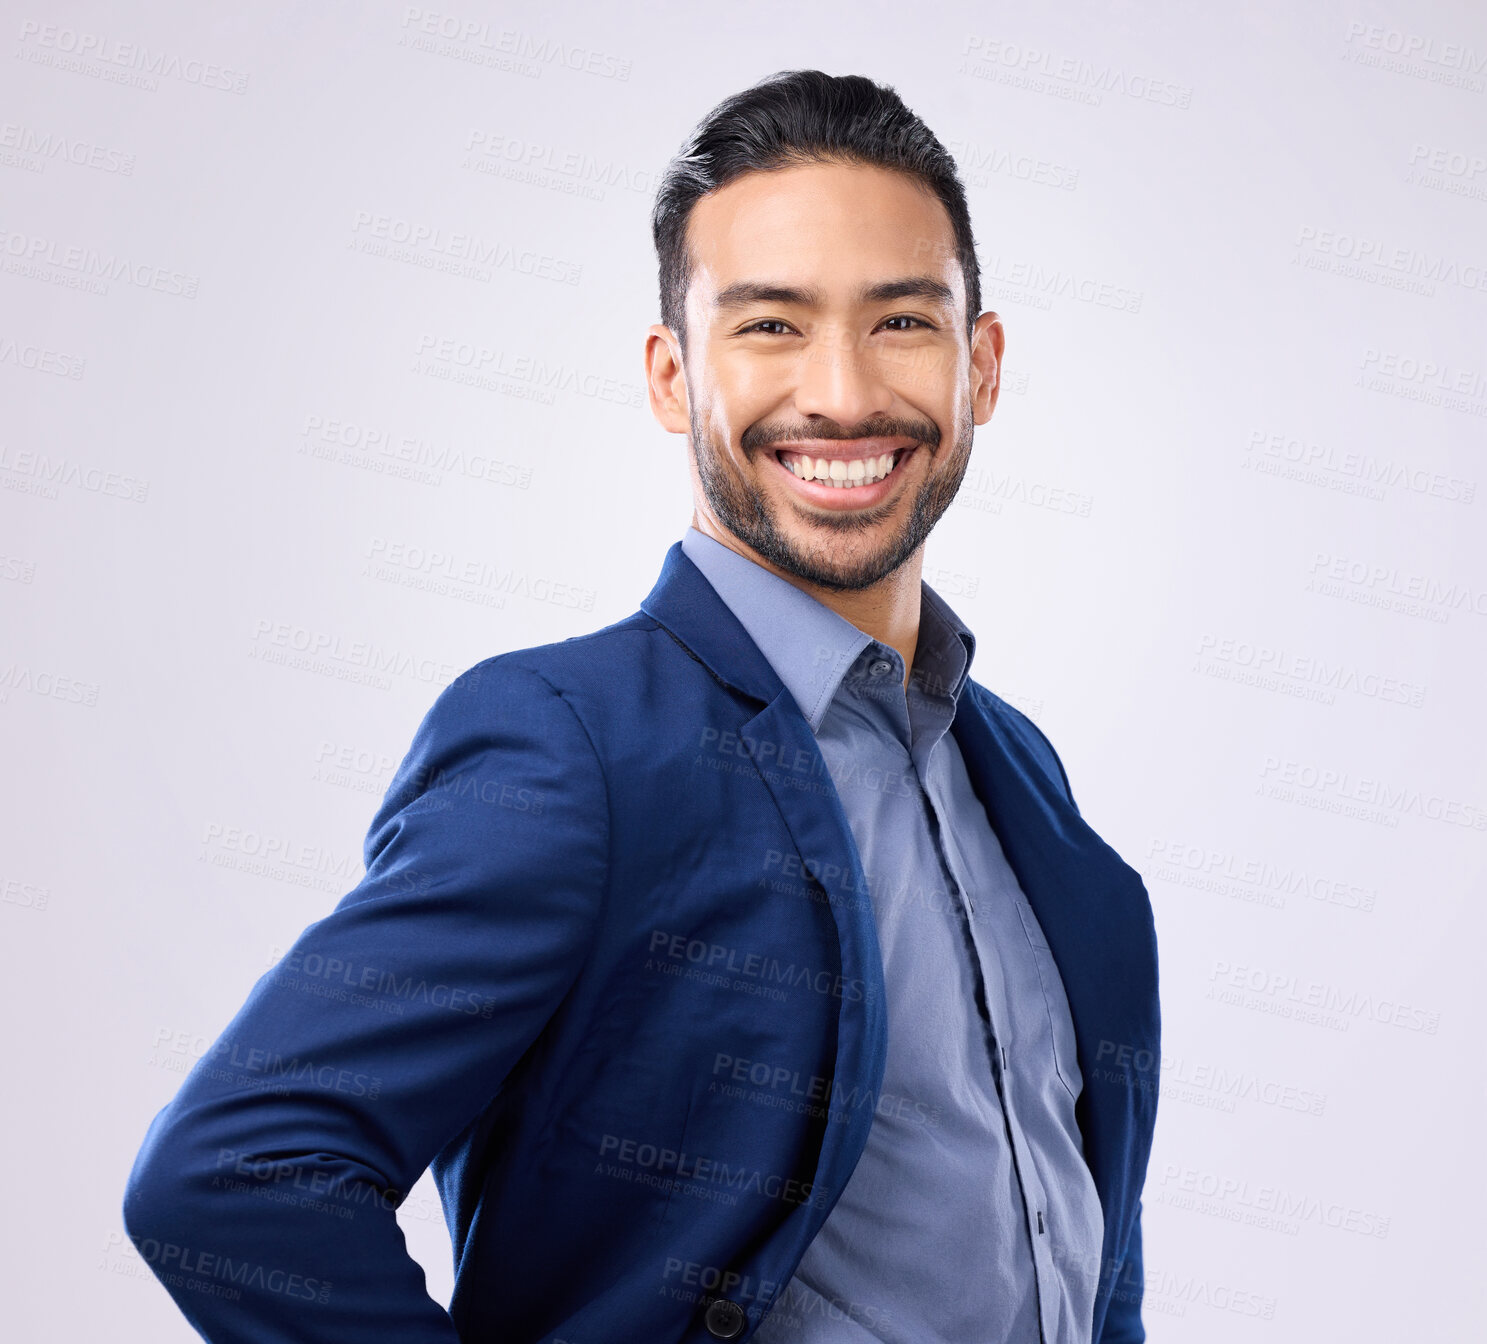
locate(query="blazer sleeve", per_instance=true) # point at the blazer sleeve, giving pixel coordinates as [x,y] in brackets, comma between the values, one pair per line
[1123,1316]
[264,1195]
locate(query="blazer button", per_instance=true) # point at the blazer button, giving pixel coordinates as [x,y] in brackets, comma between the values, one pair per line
[724,1319]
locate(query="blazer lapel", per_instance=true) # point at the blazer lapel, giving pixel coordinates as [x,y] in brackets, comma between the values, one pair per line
[1096,916]
[689,608]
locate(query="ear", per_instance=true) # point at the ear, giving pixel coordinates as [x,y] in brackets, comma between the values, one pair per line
[987,341]
[665,380]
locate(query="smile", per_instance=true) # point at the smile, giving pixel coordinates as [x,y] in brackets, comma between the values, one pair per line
[845,483]
[841,473]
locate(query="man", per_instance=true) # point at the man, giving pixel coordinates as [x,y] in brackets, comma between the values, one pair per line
[742,969]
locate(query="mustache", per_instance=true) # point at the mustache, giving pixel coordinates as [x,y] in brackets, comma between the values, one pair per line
[765,434]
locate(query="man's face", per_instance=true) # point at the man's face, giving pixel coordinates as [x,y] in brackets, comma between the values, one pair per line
[826,341]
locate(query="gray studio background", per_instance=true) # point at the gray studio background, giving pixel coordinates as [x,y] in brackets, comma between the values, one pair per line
[279,461]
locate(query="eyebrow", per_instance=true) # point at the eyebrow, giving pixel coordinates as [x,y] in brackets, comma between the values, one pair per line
[744,293]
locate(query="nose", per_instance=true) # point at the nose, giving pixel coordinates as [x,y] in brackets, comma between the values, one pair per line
[836,379]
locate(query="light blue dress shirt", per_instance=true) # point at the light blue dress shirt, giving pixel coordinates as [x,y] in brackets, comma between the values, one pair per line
[971,1217]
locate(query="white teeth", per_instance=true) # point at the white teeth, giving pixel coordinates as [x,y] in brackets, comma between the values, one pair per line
[837,472]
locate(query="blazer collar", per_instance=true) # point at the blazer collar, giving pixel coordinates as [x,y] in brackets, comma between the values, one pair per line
[689,607]
[685,601]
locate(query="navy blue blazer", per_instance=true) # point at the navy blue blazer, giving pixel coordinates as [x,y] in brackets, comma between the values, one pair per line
[612,974]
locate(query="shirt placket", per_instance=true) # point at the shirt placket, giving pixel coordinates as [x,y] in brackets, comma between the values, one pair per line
[993,977]
[929,717]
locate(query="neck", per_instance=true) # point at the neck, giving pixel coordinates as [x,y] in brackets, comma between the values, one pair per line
[888,610]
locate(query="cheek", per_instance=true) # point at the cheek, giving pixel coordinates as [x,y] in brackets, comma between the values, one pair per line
[941,408]
[927,379]
[734,404]
[753,375]
[721,429]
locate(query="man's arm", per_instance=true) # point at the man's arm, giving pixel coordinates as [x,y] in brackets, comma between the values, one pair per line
[1123,1317]
[264,1194]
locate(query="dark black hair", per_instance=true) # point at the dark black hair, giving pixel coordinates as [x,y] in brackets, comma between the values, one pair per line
[796,117]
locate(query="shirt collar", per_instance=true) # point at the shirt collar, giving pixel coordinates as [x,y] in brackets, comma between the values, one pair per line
[811,647]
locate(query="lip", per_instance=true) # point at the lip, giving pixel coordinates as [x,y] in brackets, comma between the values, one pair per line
[859,496]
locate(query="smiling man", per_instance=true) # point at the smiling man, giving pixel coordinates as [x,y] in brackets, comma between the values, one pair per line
[744,969]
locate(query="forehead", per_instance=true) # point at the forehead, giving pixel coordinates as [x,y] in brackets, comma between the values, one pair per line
[832,225]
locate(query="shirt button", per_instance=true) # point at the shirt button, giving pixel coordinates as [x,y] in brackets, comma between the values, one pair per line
[880,667]
[724,1319]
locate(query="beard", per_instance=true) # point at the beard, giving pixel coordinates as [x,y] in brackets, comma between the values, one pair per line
[746,511]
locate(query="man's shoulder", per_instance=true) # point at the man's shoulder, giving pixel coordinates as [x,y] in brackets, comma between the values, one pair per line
[621,675]
[576,663]
[1025,732]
